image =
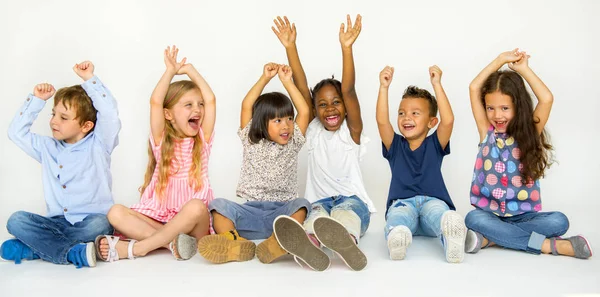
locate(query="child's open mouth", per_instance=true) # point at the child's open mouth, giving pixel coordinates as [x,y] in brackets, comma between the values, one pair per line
[332,120]
[408,127]
[285,136]
[194,123]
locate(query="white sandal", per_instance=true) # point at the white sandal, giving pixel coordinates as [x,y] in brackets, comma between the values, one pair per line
[112,248]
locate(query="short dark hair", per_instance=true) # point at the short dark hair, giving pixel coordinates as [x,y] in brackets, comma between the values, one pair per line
[326,82]
[267,107]
[76,98]
[415,92]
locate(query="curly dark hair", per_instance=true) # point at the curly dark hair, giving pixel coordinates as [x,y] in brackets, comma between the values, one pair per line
[415,92]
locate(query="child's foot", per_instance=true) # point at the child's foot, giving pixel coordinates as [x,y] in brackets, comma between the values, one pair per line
[398,241]
[16,250]
[473,242]
[183,247]
[111,248]
[82,254]
[293,238]
[226,247]
[269,250]
[454,233]
[334,236]
[574,246]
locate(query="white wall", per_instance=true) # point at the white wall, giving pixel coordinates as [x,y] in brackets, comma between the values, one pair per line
[229,41]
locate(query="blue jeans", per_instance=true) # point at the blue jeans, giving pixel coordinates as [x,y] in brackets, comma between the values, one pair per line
[52,238]
[254,219]
[525,232]
[350,211]
[421,214]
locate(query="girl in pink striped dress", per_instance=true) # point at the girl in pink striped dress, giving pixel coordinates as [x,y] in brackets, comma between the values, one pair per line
[172,212]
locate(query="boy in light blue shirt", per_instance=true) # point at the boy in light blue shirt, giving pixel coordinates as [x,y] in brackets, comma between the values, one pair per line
[75,172]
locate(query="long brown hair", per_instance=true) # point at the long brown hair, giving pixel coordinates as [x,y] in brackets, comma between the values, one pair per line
[174,93]
[536,150]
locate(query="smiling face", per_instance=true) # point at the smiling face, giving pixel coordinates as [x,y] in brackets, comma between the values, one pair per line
[414,120]
[281,129]
[329,107]
[187,113]
[499,109]
[66,126]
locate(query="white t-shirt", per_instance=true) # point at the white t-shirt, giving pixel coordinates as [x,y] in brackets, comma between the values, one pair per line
[334,164]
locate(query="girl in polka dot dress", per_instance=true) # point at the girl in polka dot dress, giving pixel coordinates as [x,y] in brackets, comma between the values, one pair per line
[514,153]
[172,212]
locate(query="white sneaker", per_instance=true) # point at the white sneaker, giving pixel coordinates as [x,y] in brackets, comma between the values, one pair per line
[398,241]
[454,233]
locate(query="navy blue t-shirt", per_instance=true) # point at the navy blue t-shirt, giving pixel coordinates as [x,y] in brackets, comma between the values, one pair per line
[417,172]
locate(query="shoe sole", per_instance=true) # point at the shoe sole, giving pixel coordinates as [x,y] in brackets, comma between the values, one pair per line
[90,254]
[335,237]
[398,241]
[186,246]
[218,249]
[264,254]
[455,233]
[292,238]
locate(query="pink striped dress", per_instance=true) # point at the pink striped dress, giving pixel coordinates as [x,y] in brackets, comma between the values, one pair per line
[178,190]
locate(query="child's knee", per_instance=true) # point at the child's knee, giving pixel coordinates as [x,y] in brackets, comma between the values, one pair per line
[559,222]
[116,213]
[197,207]
[16,220]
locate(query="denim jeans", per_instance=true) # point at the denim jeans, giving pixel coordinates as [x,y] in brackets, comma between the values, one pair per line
[525,232]
[52,238]
[350,211]
[254,219]
[421,214]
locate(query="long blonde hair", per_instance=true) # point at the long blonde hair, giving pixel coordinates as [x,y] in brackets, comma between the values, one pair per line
[174,93]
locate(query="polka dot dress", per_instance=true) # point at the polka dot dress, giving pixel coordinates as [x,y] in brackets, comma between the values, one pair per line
[497,185]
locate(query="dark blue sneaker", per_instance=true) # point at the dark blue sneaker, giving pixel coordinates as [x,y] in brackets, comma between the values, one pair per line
[15,250]
[83,254]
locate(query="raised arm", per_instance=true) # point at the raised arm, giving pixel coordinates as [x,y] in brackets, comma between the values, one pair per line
[347,38]
[287,36]
[541,91]
[386,131]
[210,107]
[157,116]
[269,71]
[444,130]
[108,124]
[475,89]
[302,119]
[19,130]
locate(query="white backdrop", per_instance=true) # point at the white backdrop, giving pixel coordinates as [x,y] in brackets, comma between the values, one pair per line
[229,41]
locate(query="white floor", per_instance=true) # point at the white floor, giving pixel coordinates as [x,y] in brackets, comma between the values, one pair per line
[492,272]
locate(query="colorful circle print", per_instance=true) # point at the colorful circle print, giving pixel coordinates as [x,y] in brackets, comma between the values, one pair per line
[497,185]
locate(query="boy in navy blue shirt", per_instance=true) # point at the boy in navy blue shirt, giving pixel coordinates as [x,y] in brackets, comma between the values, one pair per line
[418,201]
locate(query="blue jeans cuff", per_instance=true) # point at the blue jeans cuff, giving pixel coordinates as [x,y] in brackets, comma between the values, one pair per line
[535,243]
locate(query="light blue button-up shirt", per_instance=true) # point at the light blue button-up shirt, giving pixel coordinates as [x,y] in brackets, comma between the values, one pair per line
[76,177]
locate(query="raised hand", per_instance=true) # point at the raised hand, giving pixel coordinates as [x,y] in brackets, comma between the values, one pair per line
[186,68]
[85,70]
[171,60]
[270,70]
[285,73]
[284,31]
[348,35]
[386,75]
[435,74]
[510,56]
[44,91]
[521,64]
